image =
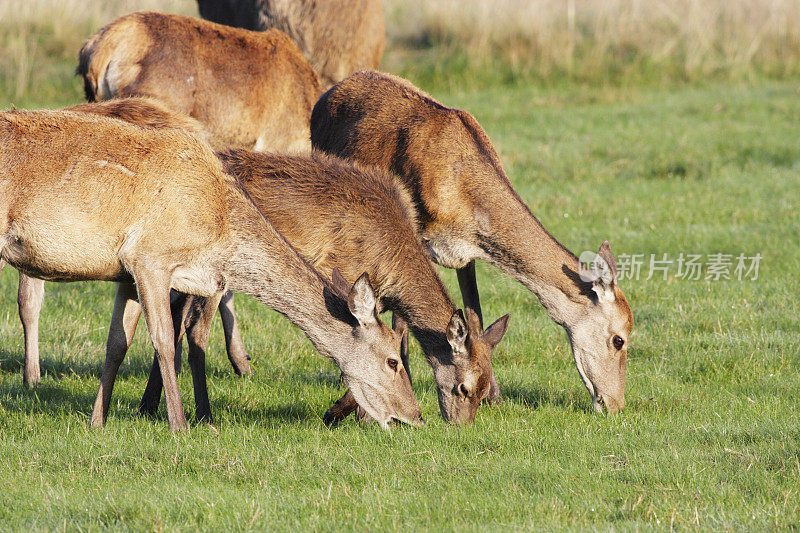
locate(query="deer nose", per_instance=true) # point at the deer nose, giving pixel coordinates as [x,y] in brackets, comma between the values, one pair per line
[612,406]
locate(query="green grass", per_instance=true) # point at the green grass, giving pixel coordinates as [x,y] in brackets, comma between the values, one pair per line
[710,436]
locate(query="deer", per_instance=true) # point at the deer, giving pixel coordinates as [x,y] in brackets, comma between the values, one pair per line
[468,210]
[151,113]
[248,89]
[88,197]
[365,218]
[338,37]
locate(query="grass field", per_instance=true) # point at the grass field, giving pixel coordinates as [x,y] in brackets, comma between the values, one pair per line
[709,439]
[710,435]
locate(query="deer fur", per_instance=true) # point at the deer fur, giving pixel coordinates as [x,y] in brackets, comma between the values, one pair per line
[468,210]
[87,197]
[368,219]
[248,89]
[338,37]
[347,218]
[151,113]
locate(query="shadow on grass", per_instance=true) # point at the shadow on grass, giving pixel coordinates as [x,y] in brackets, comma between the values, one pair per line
[535,397]
[52,399]
[55,396]
[282,413]
[324,379]
[134,365]
[224,409]
[46,398]
[13,362]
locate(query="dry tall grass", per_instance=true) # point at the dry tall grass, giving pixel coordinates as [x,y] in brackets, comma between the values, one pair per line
[40,39]
[481,41]
[606,39]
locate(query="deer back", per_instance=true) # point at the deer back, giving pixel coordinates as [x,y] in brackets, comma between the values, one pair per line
[338,37]
[249,89]
[81,187]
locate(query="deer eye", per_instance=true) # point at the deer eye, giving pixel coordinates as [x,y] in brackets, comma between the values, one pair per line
[392,364]
[618,342]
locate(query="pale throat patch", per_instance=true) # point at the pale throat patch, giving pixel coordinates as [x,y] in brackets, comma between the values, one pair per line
[451,252]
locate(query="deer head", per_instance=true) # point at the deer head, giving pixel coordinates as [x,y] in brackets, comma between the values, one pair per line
[372,367]
[600,331]
[462,385]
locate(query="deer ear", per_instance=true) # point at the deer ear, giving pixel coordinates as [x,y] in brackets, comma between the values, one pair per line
[494,333]
[362,302]
[340,284]
[608,257]
[601,272]
[457,332]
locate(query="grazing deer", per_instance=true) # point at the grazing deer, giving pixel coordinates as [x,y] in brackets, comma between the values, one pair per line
[248,89]
[86,197]
[146,112]
[339,216]
[468,210]
[338,37]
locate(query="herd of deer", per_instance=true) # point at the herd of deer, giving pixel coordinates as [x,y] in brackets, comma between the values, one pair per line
[369,182]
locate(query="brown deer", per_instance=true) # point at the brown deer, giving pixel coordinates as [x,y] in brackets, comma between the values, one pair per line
[338,37]
[340,216]
[146,112]
[248,89]
[468,210]
[87,197]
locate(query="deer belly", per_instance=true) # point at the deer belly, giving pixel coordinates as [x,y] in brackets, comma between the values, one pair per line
[51,255]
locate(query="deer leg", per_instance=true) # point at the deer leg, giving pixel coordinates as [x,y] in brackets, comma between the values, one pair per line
[120,334]
[468,284]
[153,289]
[29,300]
[340,410]
[180,305]
[398,324]
[233,339]
[198,329]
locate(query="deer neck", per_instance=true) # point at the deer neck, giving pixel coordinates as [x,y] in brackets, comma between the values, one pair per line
[517,243]
[422,301]
[259,262]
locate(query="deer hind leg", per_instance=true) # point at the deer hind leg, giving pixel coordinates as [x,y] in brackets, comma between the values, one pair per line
[237,355]
[468,284]
[180,305]
[29,300]
[120,334]
[198,329]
